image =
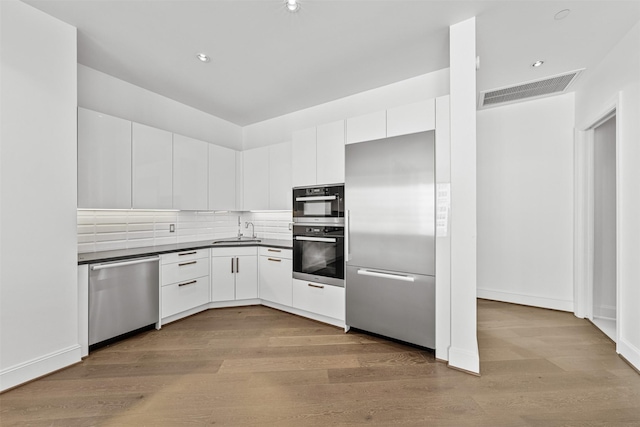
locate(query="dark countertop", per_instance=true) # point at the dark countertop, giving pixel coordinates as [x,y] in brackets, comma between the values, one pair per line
[121,254]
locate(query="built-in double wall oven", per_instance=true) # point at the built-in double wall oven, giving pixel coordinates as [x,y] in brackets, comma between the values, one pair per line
[318,234]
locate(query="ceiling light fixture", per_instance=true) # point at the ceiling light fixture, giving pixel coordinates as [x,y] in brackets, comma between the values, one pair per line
[537,64]
[292,5]
[203,57]
[562,14]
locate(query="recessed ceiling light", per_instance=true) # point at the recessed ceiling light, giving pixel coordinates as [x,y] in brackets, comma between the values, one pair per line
[292,5]
[537,64]
[203,57]
[562,14]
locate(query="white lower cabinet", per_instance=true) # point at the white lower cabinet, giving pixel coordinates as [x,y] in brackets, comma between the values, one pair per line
[179,297]
[319,298]
[234,274]
[185,282]
[276,269]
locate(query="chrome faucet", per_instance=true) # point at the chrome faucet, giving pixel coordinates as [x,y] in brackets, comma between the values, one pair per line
[253,229]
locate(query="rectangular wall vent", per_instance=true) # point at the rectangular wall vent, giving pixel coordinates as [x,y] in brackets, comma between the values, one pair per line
[534,89]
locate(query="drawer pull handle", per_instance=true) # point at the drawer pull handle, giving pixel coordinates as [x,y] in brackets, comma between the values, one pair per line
[187,253]
[187,263]
[274,259]
[315,286]
[188,283]
[274,250]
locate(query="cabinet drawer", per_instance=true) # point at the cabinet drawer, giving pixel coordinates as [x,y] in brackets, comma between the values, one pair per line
[276,252]
[318,298]
[182,296]
[184,256]
[275,280]
[234,251]
[184,270]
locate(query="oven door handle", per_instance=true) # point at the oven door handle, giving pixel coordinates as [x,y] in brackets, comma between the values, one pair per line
[317,239]
[315,198]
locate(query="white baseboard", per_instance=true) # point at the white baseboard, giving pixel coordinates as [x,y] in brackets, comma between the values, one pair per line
[465,360]
[32,369]
[531,300]
[630,352]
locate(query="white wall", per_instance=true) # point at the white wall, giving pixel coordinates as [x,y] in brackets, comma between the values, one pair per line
[106,94]
[525,202]
[38,281]
[279,129]
[619,74]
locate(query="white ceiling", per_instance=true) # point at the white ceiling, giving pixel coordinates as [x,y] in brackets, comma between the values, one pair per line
[267,62]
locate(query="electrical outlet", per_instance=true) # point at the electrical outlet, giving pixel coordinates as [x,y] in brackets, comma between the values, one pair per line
[172,228]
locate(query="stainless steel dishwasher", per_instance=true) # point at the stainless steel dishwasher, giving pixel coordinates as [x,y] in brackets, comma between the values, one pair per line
[123,297]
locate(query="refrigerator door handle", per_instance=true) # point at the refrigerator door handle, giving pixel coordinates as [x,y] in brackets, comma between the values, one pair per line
[391,276]
[348,236]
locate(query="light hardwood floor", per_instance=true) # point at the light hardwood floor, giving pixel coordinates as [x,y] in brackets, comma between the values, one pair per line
[259,366]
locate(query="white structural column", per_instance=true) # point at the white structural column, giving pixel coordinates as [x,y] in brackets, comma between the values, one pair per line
[463,352]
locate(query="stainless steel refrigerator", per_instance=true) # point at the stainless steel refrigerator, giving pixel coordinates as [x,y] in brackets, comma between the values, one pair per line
[390,200]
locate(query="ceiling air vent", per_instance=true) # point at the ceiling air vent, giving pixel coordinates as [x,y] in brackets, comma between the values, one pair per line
[535,89]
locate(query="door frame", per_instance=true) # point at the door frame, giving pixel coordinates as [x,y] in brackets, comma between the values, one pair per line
[584,173]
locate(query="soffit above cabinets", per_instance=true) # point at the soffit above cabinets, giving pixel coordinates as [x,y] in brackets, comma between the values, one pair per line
[266,62]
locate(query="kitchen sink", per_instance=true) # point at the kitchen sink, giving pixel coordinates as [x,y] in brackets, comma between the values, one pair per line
[238,240]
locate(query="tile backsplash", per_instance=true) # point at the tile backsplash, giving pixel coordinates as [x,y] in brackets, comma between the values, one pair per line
[106,230]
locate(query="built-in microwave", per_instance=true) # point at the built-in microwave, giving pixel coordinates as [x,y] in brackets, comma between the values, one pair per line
[319,204]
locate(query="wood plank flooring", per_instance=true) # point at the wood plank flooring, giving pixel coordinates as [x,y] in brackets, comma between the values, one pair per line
[255,366]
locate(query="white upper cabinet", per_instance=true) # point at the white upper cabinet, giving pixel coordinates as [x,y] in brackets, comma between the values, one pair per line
[412,118]
[222,178]
[303,158]
[280,176]
[330,153]
[152,168]
[255,172]
[267,177]
[190,170]
[104,161]
[368,127]
[318,155]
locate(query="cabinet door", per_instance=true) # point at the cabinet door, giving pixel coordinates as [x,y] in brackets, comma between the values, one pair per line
[275,280]
[319,298]
[222,178]
[256,179]
[223,278]
[330,153]
[303,158]
[366,128]
[190,169]
[104,161]
[412,118]
[280,176]
[152,168]
[246,277]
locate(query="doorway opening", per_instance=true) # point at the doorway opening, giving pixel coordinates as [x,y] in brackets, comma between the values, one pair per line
[604,292]
[596,220]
